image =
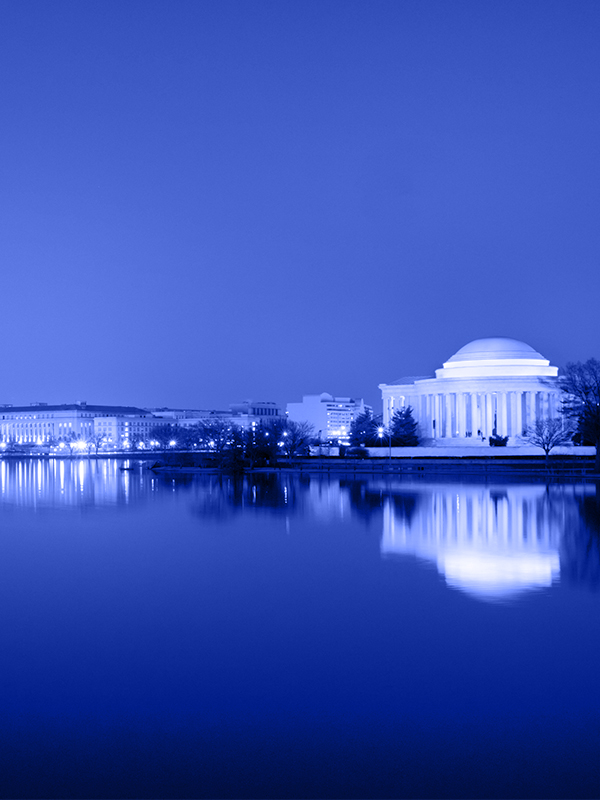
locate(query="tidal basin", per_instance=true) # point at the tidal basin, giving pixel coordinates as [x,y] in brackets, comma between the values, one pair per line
[281,635]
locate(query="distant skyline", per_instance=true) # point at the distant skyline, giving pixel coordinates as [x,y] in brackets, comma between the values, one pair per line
[207,202]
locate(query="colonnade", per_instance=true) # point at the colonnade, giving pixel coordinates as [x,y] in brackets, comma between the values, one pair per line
[481,414]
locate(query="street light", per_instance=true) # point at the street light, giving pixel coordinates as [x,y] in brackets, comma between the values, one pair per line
[380,432]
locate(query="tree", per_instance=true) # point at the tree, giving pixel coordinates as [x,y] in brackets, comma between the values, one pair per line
[364,430]
[73,440]
[262,442]
[95,441]
[404,430]
[232,458]
[580,384]
[295,438]
[164,435]
[549,433]
[215,435]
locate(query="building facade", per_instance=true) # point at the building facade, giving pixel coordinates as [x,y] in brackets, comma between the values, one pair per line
[41,423]
[115,426]
[247,414]
[495,386]
[331,417]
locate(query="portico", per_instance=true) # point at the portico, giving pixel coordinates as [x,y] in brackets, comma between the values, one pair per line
[495,386]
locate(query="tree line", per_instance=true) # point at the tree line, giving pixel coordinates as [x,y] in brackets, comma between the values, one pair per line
[368,430]
[260,444]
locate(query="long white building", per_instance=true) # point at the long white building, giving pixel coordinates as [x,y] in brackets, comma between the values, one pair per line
[490,386]
[40,423]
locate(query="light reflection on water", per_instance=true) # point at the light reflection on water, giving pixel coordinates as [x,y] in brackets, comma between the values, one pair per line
[290,635]
[494,541]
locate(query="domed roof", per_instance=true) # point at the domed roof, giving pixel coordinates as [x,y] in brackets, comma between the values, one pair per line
[497,357]
[496,349]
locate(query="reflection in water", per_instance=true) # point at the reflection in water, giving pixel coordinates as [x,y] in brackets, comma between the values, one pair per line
[78,483]
[493,541]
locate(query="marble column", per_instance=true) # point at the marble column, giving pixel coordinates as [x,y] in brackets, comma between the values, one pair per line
[429,415]
[547,407]
[518,426]
[552,405]
[512,412]
[448,426]
[475,414]
[538,406]
[528,421]
[461,402]
[502,414]
[468,413]
[437,416]
[489,415]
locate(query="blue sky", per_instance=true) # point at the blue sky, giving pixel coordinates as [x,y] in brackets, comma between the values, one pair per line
[202,202]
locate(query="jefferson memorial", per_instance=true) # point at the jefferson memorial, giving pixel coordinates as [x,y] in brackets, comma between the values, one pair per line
[489,387]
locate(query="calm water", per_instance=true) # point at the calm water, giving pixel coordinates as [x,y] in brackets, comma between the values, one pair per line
[285,636]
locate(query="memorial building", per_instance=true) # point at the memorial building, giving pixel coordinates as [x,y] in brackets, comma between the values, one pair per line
[490,387]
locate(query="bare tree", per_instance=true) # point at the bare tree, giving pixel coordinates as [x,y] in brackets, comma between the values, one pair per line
[164,435]
[580,384]
[94,442]
[549,433]
[295,438]
[74,441]
[215,434]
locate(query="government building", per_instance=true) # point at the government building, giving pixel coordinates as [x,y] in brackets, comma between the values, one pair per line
[40,423]
[490,387]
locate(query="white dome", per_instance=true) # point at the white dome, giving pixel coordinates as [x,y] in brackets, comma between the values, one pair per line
[496,349]
[497,357]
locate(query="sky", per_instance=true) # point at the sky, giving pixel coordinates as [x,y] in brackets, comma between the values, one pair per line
[203,202]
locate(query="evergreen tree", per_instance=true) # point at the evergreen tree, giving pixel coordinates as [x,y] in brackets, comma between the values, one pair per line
[364,430]
[404,428]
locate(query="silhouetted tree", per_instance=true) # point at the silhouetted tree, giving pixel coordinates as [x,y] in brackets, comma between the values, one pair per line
[404,428]
[261,443]
[215,435]
[364,430]
[549,433]
[72,440]
[295,438]
[94,442]
[232,457]
[164,434]
[580,384]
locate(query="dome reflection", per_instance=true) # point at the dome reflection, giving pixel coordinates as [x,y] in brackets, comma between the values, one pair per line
[493,542]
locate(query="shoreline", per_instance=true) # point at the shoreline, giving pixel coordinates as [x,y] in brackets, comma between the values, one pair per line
[526,466]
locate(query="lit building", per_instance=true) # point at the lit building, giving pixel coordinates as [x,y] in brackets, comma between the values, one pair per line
[41,423]
[250,412]
[331,417]
[489,387]
[245,415]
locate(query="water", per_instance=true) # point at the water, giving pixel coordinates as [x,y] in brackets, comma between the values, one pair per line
[294,636]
